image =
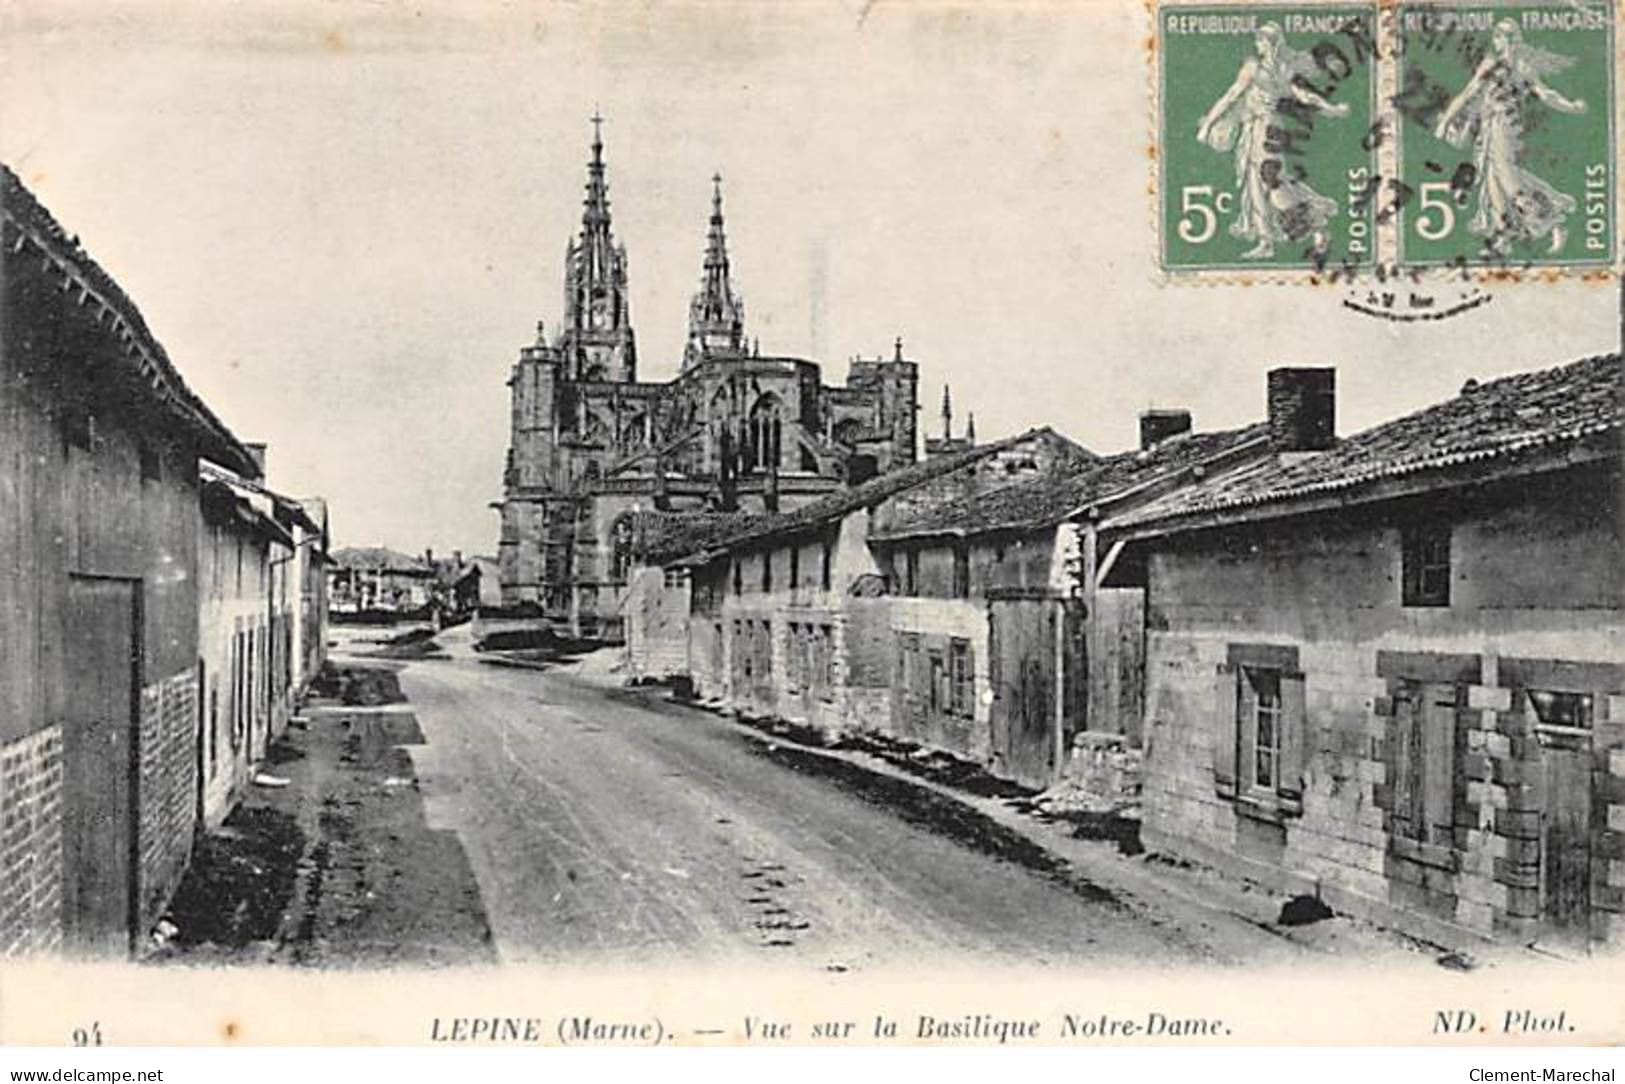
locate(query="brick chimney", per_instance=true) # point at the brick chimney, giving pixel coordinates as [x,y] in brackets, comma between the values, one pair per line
[256,452]
[1303,409]
[1157,426]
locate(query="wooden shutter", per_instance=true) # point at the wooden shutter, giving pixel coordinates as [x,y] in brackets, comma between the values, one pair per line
[1403,750]
[1224,729]
[1439,741]
[1294,735]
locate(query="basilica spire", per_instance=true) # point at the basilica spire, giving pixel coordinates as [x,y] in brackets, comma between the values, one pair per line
[597,332]
[716,317]
[596,242]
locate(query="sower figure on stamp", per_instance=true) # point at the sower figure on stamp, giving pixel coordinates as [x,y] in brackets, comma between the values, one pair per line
[1513,203]
[1271,205]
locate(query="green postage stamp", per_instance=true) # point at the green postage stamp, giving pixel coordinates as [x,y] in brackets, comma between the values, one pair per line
[1313,137]
[1507,140]
[1266,113]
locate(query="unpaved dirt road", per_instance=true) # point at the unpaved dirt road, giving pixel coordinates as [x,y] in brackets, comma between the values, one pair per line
[605,827]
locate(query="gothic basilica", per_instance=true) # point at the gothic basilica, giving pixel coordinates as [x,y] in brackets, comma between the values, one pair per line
[734,431]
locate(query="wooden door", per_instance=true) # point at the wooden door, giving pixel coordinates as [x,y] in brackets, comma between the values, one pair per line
[1025,726]
[1116,662]
[102,658]
[1565,850]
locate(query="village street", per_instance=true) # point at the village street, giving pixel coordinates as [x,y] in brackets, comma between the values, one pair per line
[606,824]
[600,827]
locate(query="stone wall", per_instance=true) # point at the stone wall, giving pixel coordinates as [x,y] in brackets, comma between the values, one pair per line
[657,623]
[761,632]
[1321,599]
[936,623]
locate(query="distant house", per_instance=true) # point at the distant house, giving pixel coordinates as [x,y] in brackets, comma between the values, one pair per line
[261,626]
[99,495]
[310,562]
[476,585]
[375,582]
[1390,669]
[787,615]
[659,600]
[240,551]
[1007,648]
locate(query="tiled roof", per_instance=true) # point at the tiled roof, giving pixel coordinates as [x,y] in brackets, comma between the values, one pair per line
[660,536]
[222,497]
[1499,420]
[877,489]
[1073,487]
[289,507]
[380,559]
[36,223]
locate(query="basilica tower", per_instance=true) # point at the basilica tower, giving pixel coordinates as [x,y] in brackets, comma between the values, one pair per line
[716,316]
[596,341]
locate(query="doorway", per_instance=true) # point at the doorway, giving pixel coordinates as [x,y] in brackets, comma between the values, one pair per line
[102,660]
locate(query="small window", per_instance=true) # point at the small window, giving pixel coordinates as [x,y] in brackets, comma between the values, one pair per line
[767,571]
[827,643]
[961,571]
[622,537]
[1425,565]
[961,676]
[939,674]
[1569,711]
[1262,700]
[795,669]
[824,567]
[908,661]
[911,572]
[795,567]
[739,576]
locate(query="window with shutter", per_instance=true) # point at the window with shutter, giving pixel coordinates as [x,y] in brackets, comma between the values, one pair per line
[1259,719]
[1259,734]
[962,676]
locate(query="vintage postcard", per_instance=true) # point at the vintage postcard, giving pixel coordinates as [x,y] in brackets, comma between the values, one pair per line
[823,523]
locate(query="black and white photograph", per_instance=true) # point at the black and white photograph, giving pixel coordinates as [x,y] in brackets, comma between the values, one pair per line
[703,523]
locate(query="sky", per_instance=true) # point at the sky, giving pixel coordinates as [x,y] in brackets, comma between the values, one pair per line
[343,220]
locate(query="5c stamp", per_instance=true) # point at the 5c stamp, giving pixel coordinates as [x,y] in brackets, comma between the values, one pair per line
[1264,123]
[1300,139]
[1507,141]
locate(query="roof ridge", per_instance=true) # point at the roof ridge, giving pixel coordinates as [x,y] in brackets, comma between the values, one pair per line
[34,215]
[1505,416]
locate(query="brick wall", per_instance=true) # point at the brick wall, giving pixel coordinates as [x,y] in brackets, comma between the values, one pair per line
[31,843]
[167,790]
